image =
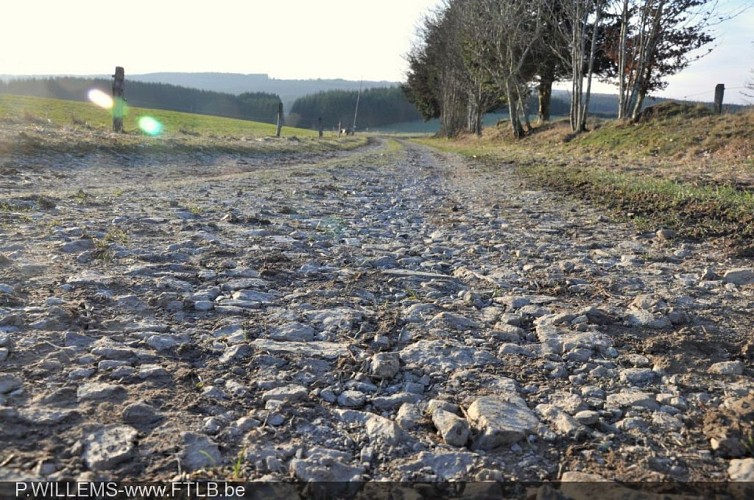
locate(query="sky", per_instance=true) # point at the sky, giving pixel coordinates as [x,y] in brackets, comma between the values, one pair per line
[288,39]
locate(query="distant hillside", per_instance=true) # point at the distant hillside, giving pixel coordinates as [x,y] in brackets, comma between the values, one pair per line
[236,83]
[376,107]
[257,106]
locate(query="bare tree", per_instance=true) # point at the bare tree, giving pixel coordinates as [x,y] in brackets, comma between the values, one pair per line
[501,37]
[576,24]
[436,80]
[654,39]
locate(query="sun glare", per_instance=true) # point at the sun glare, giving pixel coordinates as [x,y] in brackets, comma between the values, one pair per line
[149,125]
[100,99]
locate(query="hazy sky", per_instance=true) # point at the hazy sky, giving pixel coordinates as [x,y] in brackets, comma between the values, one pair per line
[351,39]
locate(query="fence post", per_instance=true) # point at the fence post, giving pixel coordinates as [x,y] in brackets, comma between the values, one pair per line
[319,126]
[119,86]
[280,119]
[719,92]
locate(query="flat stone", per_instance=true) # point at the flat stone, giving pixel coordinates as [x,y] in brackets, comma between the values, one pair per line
[561,421]
[379,429]
[647,319]
[316,349]
[352,399]
[232,334]
[453,429]
[444,355]
[293,331]
[385,365]
[140,414]
[453,321]
[500,420]
[741,470]
[113,352]
[325,468]
[727,368]
[166,342]
[409,416]
[446,465]
[199,452]
[637,376]
[46,416]
[254,296]
[9,383]
[587,417]
[289,393]
[235,353]
[109,446]
[633,398]
[395,400]
[740,276]
[97,391]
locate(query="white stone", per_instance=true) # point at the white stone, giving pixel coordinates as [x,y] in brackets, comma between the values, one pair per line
[500,420]
[288,393]
[108,446]
[741,470]
[453,429]
[385,365]
[727,368]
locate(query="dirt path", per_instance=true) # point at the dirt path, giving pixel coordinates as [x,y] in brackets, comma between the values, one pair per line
[389,313]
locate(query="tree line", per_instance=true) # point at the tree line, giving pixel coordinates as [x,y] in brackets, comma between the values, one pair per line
[376,107]
[477,55]
[255,106]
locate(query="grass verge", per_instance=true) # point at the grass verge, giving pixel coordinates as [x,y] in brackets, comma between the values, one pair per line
[700,183]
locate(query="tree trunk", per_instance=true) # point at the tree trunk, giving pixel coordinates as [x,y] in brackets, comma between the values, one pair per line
[518,130]
[590,70]
[544,91]
[622,62]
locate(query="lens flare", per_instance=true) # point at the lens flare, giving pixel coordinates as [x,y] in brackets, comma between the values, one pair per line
[100,99]
[149,125]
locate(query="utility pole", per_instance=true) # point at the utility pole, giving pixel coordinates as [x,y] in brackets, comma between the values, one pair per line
[356,112]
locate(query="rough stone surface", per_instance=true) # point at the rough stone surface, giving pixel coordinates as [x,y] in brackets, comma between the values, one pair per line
[311,309]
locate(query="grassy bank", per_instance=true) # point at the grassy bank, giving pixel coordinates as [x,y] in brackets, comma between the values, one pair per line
[29,123]
[679,168]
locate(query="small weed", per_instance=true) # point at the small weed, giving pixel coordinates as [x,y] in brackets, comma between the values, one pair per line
[102,250]
[238,464]
[82,197]
[194,209]
[46,203]
[116,235]
[748,444]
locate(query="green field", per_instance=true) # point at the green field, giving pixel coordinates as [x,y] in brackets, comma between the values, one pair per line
[27,123]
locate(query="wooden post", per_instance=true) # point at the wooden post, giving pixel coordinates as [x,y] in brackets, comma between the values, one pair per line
[719,92]
[119,86]
[280,119]
[319,126]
